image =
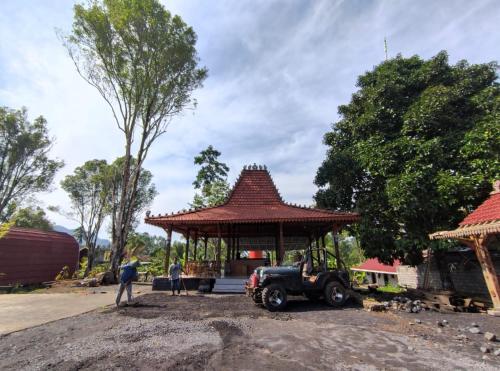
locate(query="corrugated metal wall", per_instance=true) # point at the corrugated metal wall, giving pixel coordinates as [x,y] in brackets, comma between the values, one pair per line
[33,256]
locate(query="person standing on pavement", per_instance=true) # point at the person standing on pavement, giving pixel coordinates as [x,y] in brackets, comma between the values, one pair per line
[129,273]
[174,271]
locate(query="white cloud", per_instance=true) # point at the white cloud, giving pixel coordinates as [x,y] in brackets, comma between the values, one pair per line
[277,72]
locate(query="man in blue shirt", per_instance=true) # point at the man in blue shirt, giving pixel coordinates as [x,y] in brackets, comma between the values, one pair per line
[129,273]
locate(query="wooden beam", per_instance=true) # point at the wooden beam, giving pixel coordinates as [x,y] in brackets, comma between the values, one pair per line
[168,246]
[490,276]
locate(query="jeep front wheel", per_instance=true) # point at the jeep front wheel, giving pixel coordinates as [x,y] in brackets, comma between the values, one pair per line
[335,294]
[274,297]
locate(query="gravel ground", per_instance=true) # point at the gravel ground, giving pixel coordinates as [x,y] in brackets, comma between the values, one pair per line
[229,332]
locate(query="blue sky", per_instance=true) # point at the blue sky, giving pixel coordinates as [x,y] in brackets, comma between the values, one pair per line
[278,70]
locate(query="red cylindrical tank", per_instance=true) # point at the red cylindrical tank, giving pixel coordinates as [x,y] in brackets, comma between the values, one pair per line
[256,254]
[34,256]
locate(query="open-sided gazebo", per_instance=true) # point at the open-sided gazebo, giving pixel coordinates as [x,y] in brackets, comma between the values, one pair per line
[479,230]
[254,217]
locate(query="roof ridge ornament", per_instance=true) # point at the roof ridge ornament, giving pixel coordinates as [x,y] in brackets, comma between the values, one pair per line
[496,187]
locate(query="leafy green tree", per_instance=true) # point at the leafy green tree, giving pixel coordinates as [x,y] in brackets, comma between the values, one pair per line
[89,189]
[415,150]
[25,166]
[143,62]
[32,217]
[211,179]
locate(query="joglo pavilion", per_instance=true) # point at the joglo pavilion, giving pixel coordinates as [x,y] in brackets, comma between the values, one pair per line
[254,218]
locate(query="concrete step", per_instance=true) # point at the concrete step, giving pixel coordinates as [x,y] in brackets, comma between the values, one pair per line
[229,285]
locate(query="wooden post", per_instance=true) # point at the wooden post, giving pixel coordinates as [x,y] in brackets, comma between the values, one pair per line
[490,276]
[168,247]
[206,247]
[219,244]
[196,245]
[229,244]
[186,254]
[238,246]
[325,255]
[281,245]
[335,237]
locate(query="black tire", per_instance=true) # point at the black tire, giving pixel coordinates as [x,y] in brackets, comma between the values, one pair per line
[335,294]
[257,298]
[274,297]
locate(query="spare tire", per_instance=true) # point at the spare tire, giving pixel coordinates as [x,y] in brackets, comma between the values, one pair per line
[335,294]
[274,297]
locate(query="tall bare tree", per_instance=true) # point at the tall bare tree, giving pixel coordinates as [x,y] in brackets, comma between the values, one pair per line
[143,62]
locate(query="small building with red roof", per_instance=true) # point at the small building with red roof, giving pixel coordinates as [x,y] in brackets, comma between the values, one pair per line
[480,230]
[378,273]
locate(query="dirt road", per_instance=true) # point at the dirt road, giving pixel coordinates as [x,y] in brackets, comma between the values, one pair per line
[230,332]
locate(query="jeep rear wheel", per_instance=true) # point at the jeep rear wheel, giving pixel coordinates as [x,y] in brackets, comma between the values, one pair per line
[335,294]
[274,297]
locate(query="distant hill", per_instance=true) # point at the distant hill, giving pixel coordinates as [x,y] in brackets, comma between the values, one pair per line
[100,241]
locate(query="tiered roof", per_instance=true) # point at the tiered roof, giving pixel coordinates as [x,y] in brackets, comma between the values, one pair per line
[253,199]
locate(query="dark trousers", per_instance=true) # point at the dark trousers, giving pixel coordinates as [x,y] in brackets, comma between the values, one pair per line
[176,285]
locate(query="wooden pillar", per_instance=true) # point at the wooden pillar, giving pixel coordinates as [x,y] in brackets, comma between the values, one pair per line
[490,276]
[325,255]
[335,237]
[229,244]
[186,253]
[206,247]
[281,244]
[168,247]
[238,246]
[196,245]
[219,244]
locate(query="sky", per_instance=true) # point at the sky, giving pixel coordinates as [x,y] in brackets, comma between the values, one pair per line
[278,70]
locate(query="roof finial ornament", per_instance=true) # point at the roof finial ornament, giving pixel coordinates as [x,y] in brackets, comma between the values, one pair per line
[265,167]
[260,167]
[254,167]
[244,167]
[496,187]
[148,213]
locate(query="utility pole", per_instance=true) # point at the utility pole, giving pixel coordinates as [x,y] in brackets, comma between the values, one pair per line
[385,47]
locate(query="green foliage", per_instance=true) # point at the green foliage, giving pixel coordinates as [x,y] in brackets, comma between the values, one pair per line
[391,289]
[144,194]
[151,244]
[89,189]
[25,167]
[415,150]
[143,62]
[32,217]
[211,179]
[5,227]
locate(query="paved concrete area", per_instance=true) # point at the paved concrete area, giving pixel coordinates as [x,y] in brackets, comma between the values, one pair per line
[21,311]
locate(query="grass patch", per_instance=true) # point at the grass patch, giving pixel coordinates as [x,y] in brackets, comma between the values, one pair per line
[391,289]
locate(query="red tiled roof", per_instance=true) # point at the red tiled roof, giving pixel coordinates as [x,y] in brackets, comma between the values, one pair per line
[253,199]
[374,265]
[488,211]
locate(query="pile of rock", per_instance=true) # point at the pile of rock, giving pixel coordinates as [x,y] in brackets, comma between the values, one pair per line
[405,304]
